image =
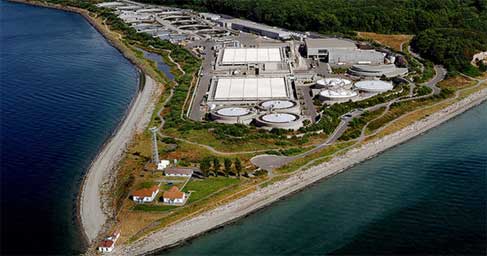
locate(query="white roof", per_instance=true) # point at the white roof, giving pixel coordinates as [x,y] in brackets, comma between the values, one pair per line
[251,55]
[373,85]
[334,82]
[338,93]
[277,104]
[279,118]
[233,111]
[250,88]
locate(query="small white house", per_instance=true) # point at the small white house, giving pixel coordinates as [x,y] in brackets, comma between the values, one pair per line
[145,195]
[163,164]
[106,246]
[114,236]
[179,172]
[174,196]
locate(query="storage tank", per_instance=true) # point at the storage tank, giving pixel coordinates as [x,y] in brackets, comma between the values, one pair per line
[337,95]
[233,115]
[373,86]
[280,120]
[332,82]
[280,106]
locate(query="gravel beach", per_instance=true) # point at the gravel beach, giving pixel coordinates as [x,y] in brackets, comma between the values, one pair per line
[92,212]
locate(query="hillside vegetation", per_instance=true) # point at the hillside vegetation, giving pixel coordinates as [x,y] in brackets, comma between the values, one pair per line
[459,20]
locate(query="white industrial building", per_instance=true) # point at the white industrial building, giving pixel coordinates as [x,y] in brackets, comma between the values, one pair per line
[256,28]
[246,89]
[387,70]
[239,56]
[340,52]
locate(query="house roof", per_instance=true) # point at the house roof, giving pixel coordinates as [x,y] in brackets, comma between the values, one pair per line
[173,193]
[106,243]
[180,171]
[145,192]
[116,233]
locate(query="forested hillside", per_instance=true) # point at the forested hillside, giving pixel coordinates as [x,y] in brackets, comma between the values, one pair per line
[452,47]
[460,17]
[383,16]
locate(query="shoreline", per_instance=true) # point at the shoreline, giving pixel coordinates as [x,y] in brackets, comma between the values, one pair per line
[177,234]
[136,117]
[94,219]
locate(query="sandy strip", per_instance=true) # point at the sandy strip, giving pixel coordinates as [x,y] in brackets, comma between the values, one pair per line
[174,234]
[91,210]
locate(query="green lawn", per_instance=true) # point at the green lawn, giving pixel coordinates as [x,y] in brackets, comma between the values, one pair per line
[153,208]
[203,188]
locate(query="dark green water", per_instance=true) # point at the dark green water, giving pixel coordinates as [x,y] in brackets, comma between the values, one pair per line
[427,196]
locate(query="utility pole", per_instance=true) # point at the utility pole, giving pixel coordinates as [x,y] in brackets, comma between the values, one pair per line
[155,150]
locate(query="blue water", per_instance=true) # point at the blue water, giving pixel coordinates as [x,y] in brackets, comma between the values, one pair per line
[64,90]
[427,196]
[161,65]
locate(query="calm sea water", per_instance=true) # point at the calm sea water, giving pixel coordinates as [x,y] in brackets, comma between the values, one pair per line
[428,196]
[64,90]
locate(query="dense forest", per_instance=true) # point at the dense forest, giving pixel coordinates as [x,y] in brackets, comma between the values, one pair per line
[452,47]
[382,16]
[462,17]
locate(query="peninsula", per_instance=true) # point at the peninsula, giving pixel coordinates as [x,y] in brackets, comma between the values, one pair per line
[233,115]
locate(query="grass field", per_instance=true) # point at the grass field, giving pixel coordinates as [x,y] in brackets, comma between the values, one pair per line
[392,41]
[202,188]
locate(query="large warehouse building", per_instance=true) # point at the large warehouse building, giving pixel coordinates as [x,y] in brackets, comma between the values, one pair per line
[239,56]
[338,51]
[256,28]
[225,90]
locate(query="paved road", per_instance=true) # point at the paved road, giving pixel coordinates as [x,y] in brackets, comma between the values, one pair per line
[309,107]
[440,73]
[270,162]
[204,82]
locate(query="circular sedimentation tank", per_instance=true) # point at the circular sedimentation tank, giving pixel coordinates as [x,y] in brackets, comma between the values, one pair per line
[232,115]
[280,106]
[373,86]
[233,111]
[280,120]
[333,82]
[337,95]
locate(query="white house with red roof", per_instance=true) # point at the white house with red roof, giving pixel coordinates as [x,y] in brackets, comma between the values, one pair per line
[145,195]
[174,196]
[108,244]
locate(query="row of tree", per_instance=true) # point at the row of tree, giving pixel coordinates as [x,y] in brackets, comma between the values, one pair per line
[212,166]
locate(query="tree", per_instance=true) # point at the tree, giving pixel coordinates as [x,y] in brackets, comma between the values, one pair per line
[216,165]
[205,165]
[238,166]
[228,166]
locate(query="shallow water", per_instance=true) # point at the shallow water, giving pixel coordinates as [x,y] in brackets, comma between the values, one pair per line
[428,195]
[64,90]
